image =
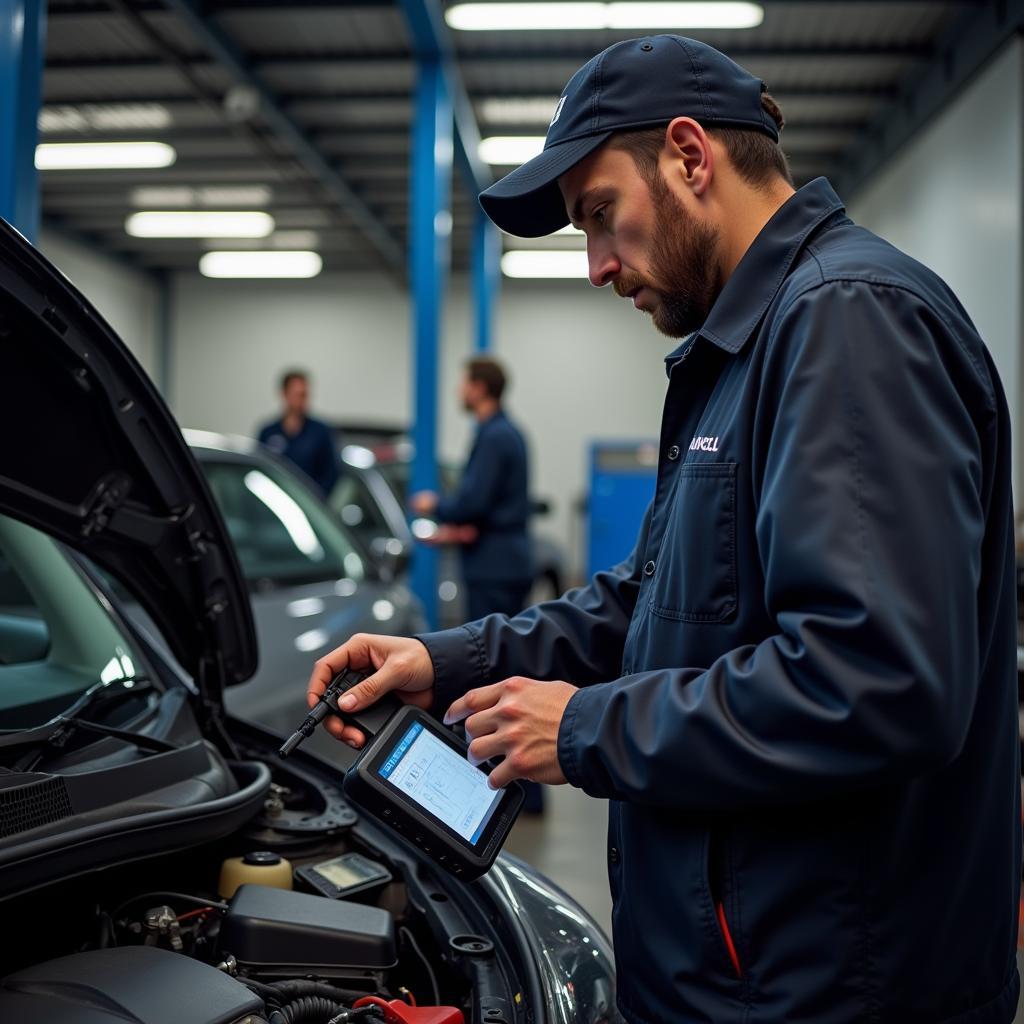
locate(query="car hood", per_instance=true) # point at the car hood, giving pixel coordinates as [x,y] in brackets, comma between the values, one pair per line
[92,456]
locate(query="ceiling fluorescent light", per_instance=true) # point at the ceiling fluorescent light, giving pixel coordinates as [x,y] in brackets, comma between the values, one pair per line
[484,17]
[545,264]
[518,110]
[510,149]
[503,17]
[104,117]
[267,264]
[685,15]
[84,156]
[216,197]
[204,197]
[164,197]
[199,224]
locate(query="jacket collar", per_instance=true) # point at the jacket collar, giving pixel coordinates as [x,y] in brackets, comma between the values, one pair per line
[757,279]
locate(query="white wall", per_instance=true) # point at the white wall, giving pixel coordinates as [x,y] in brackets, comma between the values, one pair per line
[952,198]
[583,364]
[125,298]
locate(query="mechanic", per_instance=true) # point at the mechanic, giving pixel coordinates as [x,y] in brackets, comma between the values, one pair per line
[304,441]
[492,498]
[799,690]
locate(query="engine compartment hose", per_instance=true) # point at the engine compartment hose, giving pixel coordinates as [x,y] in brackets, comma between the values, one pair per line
[276,993]
[308,1010]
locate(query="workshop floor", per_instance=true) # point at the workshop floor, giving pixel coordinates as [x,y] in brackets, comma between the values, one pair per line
[568,845]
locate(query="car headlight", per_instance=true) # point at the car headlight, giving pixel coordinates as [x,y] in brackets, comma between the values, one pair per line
[571,952]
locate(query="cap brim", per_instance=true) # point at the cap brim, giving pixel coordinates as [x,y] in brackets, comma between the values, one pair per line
[528,202]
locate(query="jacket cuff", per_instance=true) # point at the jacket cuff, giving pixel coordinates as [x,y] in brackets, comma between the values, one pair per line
[580,705]
[459,664]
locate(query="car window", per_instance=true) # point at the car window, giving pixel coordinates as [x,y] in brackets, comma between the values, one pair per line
[356,507]
[56,638]
[283,533]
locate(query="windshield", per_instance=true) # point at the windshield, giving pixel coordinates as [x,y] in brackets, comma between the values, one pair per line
[56,638]
[283,534]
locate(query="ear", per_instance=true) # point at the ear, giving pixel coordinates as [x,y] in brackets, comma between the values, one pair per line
[689,150]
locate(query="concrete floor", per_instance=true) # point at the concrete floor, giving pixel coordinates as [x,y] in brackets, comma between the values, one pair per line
[568,845]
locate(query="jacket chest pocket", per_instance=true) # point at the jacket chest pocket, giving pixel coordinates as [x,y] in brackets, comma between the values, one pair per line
[695,579]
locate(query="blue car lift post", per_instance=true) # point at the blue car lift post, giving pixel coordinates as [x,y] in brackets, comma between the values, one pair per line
[442,107]
[22,51]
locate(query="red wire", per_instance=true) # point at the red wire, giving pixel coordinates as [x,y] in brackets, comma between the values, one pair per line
[194,913]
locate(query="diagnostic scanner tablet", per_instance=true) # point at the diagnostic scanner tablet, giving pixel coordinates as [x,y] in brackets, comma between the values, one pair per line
[414,775]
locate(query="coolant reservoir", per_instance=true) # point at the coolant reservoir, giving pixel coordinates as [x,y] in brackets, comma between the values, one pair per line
[258,868]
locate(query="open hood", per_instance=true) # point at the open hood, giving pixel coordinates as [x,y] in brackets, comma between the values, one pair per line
[92,456]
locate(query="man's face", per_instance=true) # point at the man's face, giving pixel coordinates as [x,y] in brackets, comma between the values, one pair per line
[643,241]
[296,397]
[469,392]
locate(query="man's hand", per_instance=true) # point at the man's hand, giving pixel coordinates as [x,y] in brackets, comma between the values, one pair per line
[423,503]
[397,663]
[517,719]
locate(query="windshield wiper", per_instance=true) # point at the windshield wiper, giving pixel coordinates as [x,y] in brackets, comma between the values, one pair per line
[55,733]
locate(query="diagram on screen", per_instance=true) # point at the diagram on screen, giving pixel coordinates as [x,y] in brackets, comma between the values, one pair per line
[444,783]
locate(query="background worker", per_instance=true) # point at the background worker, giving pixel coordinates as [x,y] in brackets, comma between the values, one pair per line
[799,691]
[492,498]
[303,440]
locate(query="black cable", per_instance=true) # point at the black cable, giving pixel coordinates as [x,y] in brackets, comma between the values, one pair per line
[296,988]
[278,993]
[408,936]
[177,897]
[310,1010]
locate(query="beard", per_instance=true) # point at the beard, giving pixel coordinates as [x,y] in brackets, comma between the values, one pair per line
[682,257]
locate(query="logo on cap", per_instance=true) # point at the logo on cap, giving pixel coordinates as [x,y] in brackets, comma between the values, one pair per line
[558,111]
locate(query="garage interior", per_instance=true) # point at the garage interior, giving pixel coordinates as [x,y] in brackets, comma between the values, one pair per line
[357,134]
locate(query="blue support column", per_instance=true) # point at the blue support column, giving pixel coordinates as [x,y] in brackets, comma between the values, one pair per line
[22,51]
[486,279]
[430,232]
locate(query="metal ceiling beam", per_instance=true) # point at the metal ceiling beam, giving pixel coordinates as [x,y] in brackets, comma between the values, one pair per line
[59,8]
[432,41]
[228,55]
[391,93]
[283,61]
[962,51]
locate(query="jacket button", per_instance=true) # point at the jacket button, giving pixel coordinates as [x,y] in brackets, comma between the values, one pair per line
[613,855]
[673,453]
[649,569]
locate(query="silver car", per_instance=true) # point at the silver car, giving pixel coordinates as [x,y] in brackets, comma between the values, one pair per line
[311,582]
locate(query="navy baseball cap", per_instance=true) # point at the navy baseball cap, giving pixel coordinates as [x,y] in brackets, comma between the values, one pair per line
[638,83]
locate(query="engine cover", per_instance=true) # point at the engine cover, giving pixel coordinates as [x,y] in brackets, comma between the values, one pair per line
[137,984]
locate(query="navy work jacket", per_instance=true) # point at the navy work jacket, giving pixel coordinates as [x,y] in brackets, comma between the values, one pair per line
[493,496]
[799,690]
[312,449]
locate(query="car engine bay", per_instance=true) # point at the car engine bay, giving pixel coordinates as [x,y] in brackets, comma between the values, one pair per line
[216,933]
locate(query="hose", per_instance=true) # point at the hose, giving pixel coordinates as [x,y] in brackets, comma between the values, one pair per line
[309,1010]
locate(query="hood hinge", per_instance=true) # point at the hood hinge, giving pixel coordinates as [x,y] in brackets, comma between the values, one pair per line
[104,501]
